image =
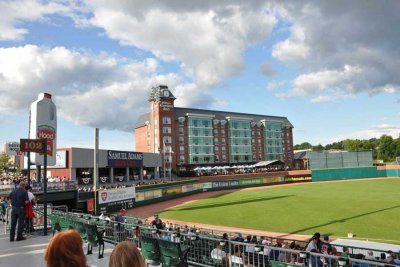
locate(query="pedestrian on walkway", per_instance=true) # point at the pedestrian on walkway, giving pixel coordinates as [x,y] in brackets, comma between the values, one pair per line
[18,198]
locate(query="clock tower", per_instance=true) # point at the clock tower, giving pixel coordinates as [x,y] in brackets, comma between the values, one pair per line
[161,128]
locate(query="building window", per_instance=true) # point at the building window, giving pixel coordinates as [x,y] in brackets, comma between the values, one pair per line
[223,149]
[168,158]
[181,149]
[181,159]
[166,120]
[181,140]
[166,130]
[167,140]
[216,141]
[215,131]
[181,130]
[224,158]
[216,158]
[223,141]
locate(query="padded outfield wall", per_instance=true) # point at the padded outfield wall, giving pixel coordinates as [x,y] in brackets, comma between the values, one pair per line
[352,173]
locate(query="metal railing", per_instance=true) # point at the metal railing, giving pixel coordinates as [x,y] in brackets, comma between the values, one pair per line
[209,249]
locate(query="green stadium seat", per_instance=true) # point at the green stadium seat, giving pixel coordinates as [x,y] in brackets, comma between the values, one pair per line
[150,249]
[172,254]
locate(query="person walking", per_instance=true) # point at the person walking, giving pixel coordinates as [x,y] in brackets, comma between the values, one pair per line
[18,198]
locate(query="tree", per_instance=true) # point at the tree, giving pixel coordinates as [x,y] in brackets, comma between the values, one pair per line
[5,163]
[335,145]
[302,146]
[387,148]
[319,147]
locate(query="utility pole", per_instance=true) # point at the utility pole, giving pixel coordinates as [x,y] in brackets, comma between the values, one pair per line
[95,166]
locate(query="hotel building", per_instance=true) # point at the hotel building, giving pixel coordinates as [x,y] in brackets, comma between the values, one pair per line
[189,137]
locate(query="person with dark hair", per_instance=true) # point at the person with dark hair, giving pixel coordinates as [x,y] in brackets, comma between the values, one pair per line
[126,254]
[313,244]
[225,236]
[157,223]
[18,198]
[65,250]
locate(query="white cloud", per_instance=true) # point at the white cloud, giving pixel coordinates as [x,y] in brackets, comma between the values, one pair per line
[14,13]
[339,49]
[326,81]
[373,132]
[220,103]
[94,90]
[323,98]
[207,38]
[289,50]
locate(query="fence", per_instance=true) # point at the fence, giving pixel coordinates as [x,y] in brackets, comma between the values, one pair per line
[326,160]
[205,248]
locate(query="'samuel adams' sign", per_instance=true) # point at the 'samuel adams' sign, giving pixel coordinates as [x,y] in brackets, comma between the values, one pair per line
[123,159]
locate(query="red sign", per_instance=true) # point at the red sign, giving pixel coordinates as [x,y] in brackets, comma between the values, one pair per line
[20,153]
[31,145]
[47,132]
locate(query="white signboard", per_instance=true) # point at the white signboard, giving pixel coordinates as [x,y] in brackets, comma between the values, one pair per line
[61,161]
[12,149]
[116,195]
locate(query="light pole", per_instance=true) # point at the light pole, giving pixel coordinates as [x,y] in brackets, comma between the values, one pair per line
[163,150]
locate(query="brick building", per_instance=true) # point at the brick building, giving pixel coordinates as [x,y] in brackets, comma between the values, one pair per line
[189,137]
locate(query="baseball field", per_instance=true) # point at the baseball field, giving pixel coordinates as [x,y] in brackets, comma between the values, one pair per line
[370,209]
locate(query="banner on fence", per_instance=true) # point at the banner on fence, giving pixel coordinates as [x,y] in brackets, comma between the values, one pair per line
[115,199]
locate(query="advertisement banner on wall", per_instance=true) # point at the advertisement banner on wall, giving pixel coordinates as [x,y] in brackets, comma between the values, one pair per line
[251,181]
[191,187]
[115,199]
[276,179]
[171,190]
[123,159]
[228,183]
[207,185]
[61,161]
[264,180]
[298,179]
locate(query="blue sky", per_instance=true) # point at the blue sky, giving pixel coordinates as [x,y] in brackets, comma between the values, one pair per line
[329,68]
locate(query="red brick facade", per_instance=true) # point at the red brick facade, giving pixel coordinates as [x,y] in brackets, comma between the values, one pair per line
[166,126]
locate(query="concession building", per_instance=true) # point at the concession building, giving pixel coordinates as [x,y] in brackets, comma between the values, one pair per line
[76,164]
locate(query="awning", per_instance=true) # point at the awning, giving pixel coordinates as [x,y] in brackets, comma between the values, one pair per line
[267,163]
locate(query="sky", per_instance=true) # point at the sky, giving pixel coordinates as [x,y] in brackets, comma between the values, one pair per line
[330,67]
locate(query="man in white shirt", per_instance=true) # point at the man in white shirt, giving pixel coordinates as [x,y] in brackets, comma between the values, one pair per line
[217,253]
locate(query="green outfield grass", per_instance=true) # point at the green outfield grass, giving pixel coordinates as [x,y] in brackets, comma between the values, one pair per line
[369,209]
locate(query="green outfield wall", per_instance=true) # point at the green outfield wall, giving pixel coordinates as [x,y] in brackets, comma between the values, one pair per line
[352,173]
[152,194]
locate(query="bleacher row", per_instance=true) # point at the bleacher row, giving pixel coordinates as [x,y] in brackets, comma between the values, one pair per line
[194,246]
